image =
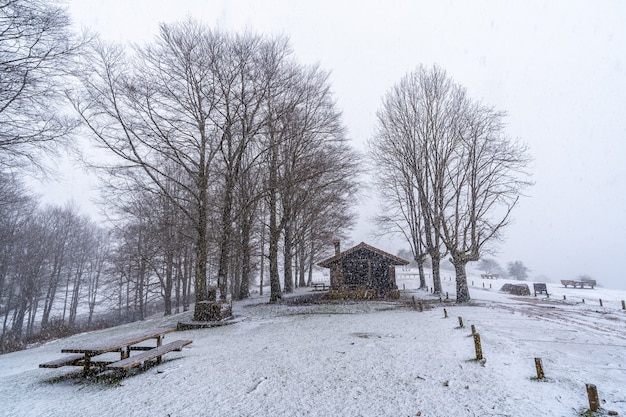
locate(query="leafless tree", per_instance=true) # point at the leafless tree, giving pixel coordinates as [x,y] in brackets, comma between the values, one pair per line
[485,178]
[452,166]
[489,266]
[158,110]
[400,211]
[517,270]
[36,52]
[308,154]
[413,126]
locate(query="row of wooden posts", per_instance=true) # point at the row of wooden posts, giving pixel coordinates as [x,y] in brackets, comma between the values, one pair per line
[592,391]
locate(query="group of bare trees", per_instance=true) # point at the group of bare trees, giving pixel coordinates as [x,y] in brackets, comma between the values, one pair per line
[225,158]
[51,261]
[227,138]
[447,173]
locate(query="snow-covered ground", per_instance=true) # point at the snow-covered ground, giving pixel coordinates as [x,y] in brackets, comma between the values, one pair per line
[357,359]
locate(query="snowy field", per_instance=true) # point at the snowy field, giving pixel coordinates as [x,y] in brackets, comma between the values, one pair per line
[356,359]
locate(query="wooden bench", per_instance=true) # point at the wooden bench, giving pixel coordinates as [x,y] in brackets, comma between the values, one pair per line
[591,283]
[540,288]
[147,355]
[69,360]
[317,285]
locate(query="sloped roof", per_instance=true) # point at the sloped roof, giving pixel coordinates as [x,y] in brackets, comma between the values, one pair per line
[395,260]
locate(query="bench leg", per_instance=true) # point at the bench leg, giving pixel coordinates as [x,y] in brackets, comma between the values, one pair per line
[86,364]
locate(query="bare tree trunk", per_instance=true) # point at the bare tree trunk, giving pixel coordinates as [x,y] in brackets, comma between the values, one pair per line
[274,237]
[302,264]
[420,268]
[246,259]
[288,257]
[262,271]
[226,237]
[462,290]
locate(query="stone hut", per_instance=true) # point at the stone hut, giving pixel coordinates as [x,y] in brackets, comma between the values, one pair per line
[363,268]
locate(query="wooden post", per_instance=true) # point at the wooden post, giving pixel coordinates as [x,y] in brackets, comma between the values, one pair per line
[592,393]
[623,305]
[539,366]
[473,329]
[564,297]
[600,302]
[445,313]
[483,285]
[478,347]
[583,301]
[421,306]
[460,321]
[489,285]
[414,304]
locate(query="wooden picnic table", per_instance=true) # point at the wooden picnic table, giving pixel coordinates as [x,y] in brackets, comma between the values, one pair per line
[84,353]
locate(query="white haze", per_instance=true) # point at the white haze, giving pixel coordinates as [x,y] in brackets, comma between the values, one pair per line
[558,68]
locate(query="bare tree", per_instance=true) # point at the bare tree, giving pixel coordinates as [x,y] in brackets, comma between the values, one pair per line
[313,155]
[486,175]
[411,140]
[400,209]
[162,110]
[517,270]
[489,266]
[453,167]
[36,50]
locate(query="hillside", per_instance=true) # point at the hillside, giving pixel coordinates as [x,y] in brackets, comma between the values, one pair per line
[357,359]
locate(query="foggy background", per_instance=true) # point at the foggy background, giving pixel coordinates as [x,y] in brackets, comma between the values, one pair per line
[557,68]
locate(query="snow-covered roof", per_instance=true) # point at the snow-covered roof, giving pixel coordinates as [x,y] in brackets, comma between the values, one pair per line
[394,259]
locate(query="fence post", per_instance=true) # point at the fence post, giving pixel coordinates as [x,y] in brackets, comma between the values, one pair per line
[460,321]
[539,366]
[600,302]
[414,303]
[478,347]
[473,329]
[623,305]
[592,393]
[445,313]
[421,305]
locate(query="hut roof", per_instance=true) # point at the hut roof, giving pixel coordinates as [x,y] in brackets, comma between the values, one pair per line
[327,263]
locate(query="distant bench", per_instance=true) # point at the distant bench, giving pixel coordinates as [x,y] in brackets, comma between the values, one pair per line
[319,286]
[489,276]
[540,288]
[590,283]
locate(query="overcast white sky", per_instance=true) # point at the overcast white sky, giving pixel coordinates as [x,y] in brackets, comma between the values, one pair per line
[557,67]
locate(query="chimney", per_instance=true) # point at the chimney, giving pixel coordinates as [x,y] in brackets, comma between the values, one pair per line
[337,249]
